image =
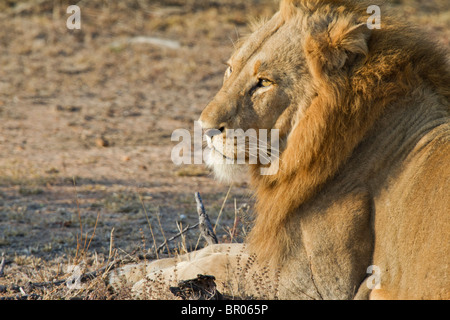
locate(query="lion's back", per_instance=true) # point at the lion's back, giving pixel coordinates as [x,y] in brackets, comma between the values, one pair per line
[412,242]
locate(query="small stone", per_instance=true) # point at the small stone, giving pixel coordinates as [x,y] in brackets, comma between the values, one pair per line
[102,142]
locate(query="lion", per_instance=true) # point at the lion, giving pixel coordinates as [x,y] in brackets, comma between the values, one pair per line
[359,207]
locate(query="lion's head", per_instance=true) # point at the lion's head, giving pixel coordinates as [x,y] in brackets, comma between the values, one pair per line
[316,72]
[270,81]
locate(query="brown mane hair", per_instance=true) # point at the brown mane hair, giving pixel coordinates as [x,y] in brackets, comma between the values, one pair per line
[352,94]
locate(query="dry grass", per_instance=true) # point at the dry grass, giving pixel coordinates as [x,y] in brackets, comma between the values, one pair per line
[29,277]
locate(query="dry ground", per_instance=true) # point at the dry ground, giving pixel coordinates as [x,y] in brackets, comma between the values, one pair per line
[86,121]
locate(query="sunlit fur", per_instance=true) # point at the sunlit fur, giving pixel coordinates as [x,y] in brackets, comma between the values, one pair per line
[364,165]
[365,114]
[223,171]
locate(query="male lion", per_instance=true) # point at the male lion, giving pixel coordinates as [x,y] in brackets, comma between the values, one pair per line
[363,174]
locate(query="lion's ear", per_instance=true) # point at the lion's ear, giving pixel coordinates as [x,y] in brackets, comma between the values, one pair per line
[339,45]
[289,8]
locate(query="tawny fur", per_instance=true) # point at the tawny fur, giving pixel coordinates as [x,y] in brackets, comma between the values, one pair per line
[358,77]
[364,169]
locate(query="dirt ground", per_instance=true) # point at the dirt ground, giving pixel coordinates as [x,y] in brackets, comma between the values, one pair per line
[86,122]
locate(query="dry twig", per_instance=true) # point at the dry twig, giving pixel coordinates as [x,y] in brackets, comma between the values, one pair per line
[176,236]
[2,265]
[206,228]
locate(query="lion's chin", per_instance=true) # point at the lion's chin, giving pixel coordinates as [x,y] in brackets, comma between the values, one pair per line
[223,171]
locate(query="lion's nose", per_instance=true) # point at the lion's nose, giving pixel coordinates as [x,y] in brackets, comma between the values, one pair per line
[212,132]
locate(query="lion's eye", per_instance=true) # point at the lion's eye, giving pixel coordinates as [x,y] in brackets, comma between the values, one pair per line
[264,83]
